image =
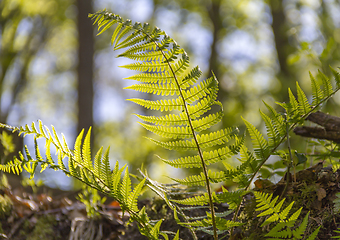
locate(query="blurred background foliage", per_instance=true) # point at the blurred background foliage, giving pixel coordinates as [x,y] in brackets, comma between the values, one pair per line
[53,68]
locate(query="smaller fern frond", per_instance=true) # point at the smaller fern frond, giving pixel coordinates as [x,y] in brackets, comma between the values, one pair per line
[133,197]
[284,228]
[316,90]
[273,134]
[14,166]
[336,75]
[259,143]
[304,106]
[326,82]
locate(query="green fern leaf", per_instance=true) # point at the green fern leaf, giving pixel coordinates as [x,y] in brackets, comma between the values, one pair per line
[295,215]
[199,91]
[160,105]
[126,186]
[304,106]
[194,180]
[105,169]
[272,132]
[194,201]
[206,122]
[277,119]
[14,166]
[169,132]
[299,232]
[133,197]
[97,163]
[179,145]
[86,151]
[157,89]
[216,138]
[161,78]
[316,90]
[77,147]
[294,104]
[190,78]
[156,229]
[60,162]
[327,86]
[259,143]
[167,120]
[284,213]
[153,66]
[314,234]
[336,76]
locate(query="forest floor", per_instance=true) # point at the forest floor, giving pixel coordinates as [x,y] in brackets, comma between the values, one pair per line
[47,215]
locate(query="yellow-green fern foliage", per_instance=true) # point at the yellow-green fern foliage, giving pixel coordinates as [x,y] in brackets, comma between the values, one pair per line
[284,227]
[186,103]
[95,173]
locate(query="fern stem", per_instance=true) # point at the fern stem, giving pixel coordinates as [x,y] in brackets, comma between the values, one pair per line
[204,166]
[290,155]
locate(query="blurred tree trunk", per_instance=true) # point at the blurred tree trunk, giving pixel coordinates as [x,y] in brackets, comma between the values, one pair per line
[213,9]
[283,46]
[85,66]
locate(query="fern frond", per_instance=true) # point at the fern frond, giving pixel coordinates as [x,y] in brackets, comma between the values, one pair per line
[167,120]
[86,150]
[206,122]
[232,198]
[200,200]
[161,105]
[259,143]
[304,106]
[190,78]
[168,132]
[316,90]
[157,89]
[133,197]
[209,157]
[193,180]
[336,77]
[216,138]
[277,119]
[273,133]
[158,77]
[14,166]
[179,145]
[326,82]
[199,91]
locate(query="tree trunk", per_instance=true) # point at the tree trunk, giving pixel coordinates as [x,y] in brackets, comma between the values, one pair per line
[283,47]
[85,66]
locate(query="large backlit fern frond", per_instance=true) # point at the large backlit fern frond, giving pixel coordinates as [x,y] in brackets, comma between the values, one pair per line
[177,91]
[188,103]
[78,163]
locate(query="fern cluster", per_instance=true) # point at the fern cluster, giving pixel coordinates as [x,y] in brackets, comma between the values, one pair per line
[186,125]
[95,173]
[285,228]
